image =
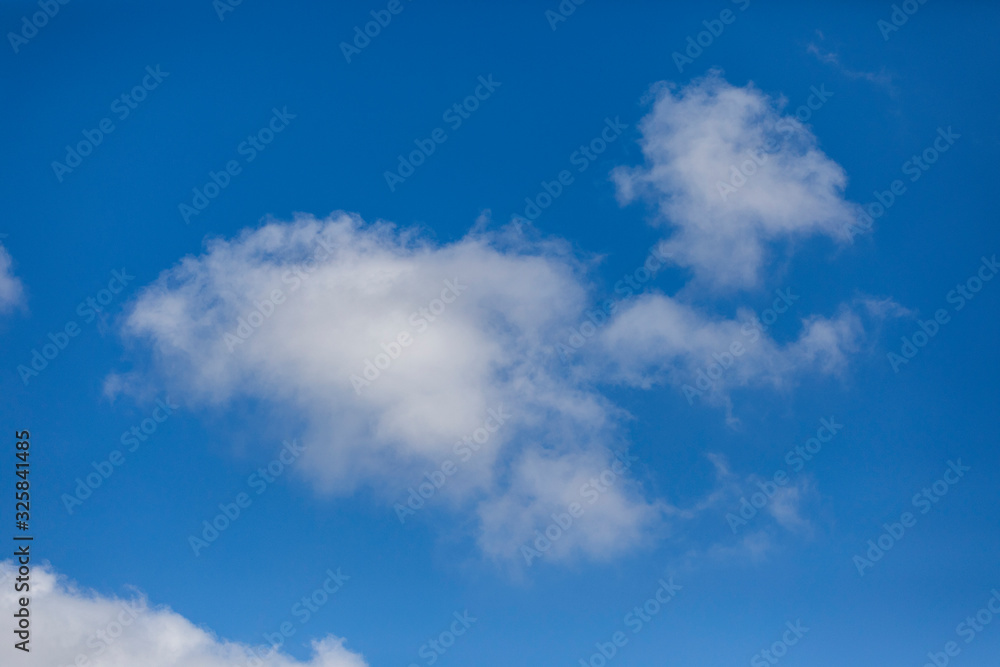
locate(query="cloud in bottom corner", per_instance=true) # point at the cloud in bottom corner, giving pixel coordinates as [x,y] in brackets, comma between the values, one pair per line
[69,624]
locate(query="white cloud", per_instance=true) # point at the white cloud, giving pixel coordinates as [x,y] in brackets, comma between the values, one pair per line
[658,339]
[67,623]
[693,140]
[607,523]
[386,349]
[489,347]
[884,308]
[11,289]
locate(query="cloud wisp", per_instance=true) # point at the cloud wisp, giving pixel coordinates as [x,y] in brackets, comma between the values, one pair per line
[11,288]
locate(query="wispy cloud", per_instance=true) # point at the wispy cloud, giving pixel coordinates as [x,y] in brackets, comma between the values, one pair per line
[880,78]
[11,288]
[661,340]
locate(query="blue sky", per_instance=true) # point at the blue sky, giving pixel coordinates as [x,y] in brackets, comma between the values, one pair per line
[328,263]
